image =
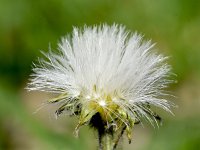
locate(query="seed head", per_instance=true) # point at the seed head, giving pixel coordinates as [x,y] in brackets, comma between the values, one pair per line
[104,72]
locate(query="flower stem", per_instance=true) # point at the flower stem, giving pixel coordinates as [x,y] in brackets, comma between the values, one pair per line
[105,142]
[108,142]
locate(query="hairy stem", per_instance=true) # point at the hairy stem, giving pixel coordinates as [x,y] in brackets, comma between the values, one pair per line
[108,142]
[105,141]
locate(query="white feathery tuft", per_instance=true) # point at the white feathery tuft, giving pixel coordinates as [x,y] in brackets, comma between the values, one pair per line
[115,62]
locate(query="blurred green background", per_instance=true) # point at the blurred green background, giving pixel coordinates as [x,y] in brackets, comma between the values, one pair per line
[29,26]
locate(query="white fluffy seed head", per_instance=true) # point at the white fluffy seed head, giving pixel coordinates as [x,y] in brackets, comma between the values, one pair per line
[109,63]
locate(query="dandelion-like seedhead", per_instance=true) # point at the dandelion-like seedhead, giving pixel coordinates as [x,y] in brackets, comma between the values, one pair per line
[106,76]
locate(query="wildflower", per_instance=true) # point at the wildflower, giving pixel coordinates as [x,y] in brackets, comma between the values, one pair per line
[106,76]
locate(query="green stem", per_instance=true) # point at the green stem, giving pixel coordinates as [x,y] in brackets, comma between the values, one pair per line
[105,142]
[108,142]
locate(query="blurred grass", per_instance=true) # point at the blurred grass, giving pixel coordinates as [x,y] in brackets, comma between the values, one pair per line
[178,135]
[28,26]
